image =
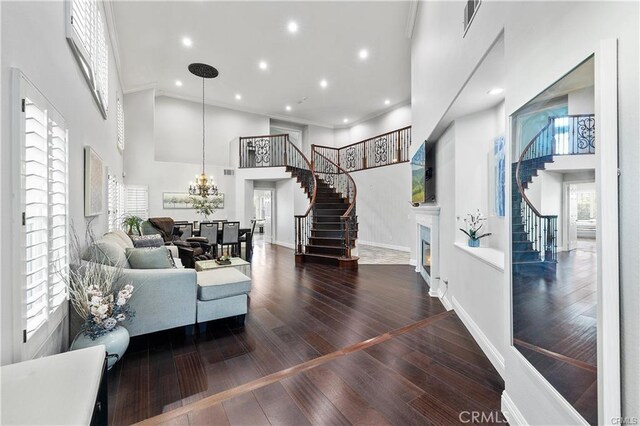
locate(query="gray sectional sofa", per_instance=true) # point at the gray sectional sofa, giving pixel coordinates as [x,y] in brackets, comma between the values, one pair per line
[163,298]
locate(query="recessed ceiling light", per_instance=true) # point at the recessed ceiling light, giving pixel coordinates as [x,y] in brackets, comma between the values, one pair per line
[363,53]
[387,101]
[346,120]
[263,65]
[238,96]
[323,83]
[292,27]
[187,41]
[288,107]
[178,83]
[496,91]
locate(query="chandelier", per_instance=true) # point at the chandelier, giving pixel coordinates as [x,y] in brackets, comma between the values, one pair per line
[203,186]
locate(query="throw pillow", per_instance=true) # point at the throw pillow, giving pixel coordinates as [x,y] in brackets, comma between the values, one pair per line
[147,241]
[106,253]
[150,258]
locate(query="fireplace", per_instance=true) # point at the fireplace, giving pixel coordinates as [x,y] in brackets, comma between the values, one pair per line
[426,260]
[426,257]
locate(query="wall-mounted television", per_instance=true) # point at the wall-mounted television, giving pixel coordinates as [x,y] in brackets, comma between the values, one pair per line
[423,186]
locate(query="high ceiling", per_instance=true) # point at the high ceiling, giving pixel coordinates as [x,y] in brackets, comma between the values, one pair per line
[235,36]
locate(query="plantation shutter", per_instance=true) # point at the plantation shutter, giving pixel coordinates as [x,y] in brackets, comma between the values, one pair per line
[137,203]
[87,35]
[43,148]
[114,202]
[35,218]
[58,214]
[120,123]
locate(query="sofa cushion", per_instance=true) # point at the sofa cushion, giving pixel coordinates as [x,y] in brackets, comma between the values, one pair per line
[147,241]
[150,258]
[124,237]
[222,282]
[114,239]
[106,252]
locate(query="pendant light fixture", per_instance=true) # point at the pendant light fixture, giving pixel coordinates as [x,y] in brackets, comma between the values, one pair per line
[202,186]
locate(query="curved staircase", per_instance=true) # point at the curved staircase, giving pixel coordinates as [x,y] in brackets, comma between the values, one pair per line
[534,235]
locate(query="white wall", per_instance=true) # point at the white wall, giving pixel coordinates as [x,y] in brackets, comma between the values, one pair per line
[474,139]
[445,172]
[178,131]
[581,101]
[394,119]
[33,40]
[442,60]
[384,193]
[164,136]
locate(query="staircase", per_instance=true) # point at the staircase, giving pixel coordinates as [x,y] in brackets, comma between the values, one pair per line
[327,231]
[534,235]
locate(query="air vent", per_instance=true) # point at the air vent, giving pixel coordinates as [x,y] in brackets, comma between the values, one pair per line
[229,172]
[469,12]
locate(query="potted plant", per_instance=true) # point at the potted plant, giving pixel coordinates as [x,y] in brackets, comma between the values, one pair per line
[206,206]
[132,222]
[473,224]
[101,299]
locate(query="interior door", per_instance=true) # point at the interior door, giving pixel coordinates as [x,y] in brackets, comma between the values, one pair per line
[267,208]
[572,240]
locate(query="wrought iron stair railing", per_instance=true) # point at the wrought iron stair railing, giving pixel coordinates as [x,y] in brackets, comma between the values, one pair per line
[279,151]
[337,178]
[564,135]
[382,150]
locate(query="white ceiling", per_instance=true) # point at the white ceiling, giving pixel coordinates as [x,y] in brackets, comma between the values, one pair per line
[235,36]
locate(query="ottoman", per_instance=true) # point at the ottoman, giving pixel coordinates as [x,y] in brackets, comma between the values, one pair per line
[222,293]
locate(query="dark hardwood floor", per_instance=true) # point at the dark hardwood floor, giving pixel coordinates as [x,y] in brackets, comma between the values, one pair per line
[555,326]
[319,346]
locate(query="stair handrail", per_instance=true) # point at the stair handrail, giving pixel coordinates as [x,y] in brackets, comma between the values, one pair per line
[521,159]
[349,215]
[355,156]
[542,231]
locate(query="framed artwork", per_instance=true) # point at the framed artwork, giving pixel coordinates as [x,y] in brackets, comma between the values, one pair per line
[182,200]
[499,176]
[93,182]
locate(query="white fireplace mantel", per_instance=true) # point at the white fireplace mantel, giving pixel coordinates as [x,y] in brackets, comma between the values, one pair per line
[429,216]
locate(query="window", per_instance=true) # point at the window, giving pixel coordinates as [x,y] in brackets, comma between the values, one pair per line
[470,10]
[86,34]
[137,201]
[120,119]
[115,201]
[42,177]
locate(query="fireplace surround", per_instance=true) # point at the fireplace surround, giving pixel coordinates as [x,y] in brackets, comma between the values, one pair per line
[427,246]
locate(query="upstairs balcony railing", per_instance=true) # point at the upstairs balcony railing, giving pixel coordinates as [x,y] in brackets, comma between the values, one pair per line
[564,135]
[382,150]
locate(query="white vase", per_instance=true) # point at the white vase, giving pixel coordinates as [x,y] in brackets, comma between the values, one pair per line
[116,341]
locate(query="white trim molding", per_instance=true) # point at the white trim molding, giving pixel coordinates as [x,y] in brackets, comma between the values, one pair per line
[487,347]
[511,411]
[285,244]
[608,281]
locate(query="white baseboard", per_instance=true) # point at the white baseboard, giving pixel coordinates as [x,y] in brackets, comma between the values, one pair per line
[487,347]
[283,244]
[445,302]
[413,262]
[511,412]
[382,245]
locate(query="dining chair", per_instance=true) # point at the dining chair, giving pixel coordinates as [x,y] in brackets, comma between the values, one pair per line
[209,230]
[230,236]
[247,239]
[185,227]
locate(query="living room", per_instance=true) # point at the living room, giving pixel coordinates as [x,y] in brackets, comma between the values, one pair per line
[387,313]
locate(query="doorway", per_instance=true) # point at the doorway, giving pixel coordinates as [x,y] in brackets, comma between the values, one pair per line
[263,213]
